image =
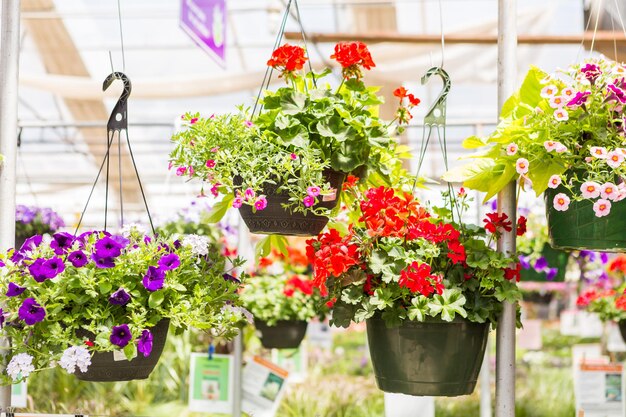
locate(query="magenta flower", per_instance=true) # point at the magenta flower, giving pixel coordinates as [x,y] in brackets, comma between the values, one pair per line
[53,267]
[120,335]
[144,344]
[154,279]
[78,259]
[31,312]
[180,171]
[14,290]
[210,163]
[238,202]
[248,123]
[293,156]
[260,203]
[217,148]
[313,191]
[214,189]
[169,262]
[579,99]
[308,201]
[193,120]
[249,194]
[591,71]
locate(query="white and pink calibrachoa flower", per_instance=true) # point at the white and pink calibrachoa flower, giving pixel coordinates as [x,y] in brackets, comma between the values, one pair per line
[561,202]
[549,91]
[550,145]
[554,181]
[614,159]
[590,189]
[599,152]
[602,207]
[560,148]
[561,114]
[521,166]
[557,102]
[609,191]
[511,149]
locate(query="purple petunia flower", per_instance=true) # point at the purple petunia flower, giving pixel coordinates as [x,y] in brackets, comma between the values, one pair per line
[523,260]
[107,248]
[2,264]
[37,271]
[604,257]
[579,99]
[591,71]
[120,297]
[31,243]
[14,290]
[121,240]
[103,262]
[2,318]
[61,242]
[78,258]
[144,345]
[169,262]
[120,335]
[24,214]
[53,267]
[147,239]
[616,93]
[541,264]
[177,244]
[31,312]
[588,255]
[551,273]
[228,277]
[154,279]
[17,257]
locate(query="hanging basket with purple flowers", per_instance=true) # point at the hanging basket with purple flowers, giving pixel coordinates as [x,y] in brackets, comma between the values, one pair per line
[100,301]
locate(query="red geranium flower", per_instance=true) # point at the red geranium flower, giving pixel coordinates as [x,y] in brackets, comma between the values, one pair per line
[495,223]
[521,225]
[288,58]
[350,182]
[413,100]
[456,252]
[620,302]
[513,273]
[352,56]
[400,92]
[416,277]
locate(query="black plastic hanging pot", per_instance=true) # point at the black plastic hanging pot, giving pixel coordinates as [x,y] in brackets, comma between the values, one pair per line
[105,368]
[622,328]
[434,358]
[276,220]
[285,334]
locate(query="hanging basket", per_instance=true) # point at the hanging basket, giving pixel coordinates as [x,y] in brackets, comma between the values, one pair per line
[578,228]
[285,334]
[555,258]
[434,358]
[276,220]
[107,367]
[622,328]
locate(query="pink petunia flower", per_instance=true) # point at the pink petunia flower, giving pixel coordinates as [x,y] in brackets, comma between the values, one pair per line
[602,207]
[210,163]
[590,189]
[293,156]
[191,171]
[308,201]
[614,159]
[248,123]
[521,166]
[214,189]
[579,99]
[561,202]
[599,152]
[238,202]
[249,194]
[609,191]
[554,181]
[260,203]
[170,165]
[511,149]
[180,171]
[313,191]
[217,148]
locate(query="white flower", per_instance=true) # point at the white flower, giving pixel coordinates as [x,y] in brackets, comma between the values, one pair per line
[560,148]
[130,227]
[521,166]
[561,115]
[561,202]
[599,152]
[550,145]
[199,244]
[568,93]
[511,149]
[602,207]
[609,191]
[590,189]
[20,366]
[614,158]
[549,91]
[554,181]
[557,102]
[73,357]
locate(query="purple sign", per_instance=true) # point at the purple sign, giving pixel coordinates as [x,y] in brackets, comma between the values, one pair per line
[205,22]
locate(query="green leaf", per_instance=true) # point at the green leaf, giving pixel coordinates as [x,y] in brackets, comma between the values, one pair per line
[448,304]
[105,287]
[155,299]
[292,102]
[366,311]
[263,247]
[279,242]
[352,294]
[130,351]
[333,128]
[377,261]
[473,142]
[418,309]
[342,314]
[382,298]
[220,208]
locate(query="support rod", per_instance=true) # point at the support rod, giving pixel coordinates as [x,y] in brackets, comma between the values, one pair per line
[505,338]
[9,69]
[602,37]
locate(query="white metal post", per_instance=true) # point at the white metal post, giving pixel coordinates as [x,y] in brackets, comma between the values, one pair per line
[9,68]
[505,342]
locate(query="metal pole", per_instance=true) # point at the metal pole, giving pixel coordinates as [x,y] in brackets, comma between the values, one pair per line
[485,385]
[505,342]
[9,69]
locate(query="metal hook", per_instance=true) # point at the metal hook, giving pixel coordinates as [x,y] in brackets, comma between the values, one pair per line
[118,120]
[436,115]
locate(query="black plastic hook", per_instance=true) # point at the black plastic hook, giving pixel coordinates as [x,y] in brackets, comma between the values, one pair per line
[436,115]
[118,120]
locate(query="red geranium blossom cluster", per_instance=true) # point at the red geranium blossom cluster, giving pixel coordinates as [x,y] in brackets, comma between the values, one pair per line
[618,264]
[591,294]
[620,302]
[297,283]
[352,56]
[417,278]
[497,223]
[288,58]
[331,255]
[403,114]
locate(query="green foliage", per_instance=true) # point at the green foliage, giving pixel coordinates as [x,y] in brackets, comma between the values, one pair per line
[194,294]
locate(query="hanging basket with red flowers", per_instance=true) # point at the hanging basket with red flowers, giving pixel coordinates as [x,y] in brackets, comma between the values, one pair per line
[427,285]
